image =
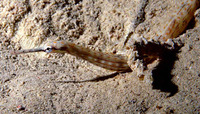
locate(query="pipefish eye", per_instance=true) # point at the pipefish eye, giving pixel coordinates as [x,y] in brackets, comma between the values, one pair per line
[48,49]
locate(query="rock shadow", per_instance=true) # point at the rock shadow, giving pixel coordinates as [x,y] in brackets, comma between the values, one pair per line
[162,72]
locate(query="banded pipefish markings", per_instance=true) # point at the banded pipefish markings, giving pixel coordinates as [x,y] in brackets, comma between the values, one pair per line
[177,24]
[178,21]
[106,60]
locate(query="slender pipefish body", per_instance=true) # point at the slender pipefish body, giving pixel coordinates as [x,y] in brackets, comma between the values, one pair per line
[175,26]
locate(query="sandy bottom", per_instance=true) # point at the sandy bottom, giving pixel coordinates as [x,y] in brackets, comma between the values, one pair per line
[57,83]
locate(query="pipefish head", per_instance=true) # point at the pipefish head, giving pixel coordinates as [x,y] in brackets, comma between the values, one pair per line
[56,47]
[51,47]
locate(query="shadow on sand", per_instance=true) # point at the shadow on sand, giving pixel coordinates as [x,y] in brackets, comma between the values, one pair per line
[162,72]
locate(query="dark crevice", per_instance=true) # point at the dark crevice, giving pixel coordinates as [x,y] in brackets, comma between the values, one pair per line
[140,18]
[191,25]
[78,1]
[162,72]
